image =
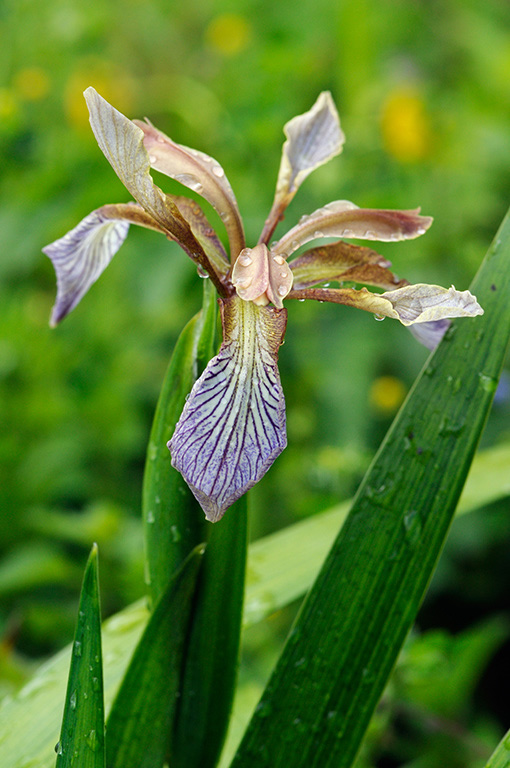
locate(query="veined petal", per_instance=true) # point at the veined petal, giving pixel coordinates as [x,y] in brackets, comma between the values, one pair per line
[232,427]
[313,138]
[80,256]
[200,173]
[418,303]
[344,219]
[343,262]
[260,276]
[121,142]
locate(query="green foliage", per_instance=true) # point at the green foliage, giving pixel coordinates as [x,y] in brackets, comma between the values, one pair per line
[422,93]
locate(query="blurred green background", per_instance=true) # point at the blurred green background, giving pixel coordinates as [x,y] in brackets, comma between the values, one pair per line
[423,90]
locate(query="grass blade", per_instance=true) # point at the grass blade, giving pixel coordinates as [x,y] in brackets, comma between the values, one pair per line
[338,658]
[173,520]
[81,742]
[143,711]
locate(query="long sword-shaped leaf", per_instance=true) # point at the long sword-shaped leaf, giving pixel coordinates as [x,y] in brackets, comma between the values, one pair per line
[81,742]
[346,639]
[281,567]
[213,646]
[173,521]
[500,758]
[143,711]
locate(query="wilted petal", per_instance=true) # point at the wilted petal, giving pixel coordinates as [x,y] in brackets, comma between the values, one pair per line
[199,172]
[232,427]
[260,276]
[418,303]
[343,262]
[312,140]
[121,142]
[80,256]
[430,334]
[422,303]
[344,219]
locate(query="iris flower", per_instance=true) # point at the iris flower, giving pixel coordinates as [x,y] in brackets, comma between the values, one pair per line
[232,427]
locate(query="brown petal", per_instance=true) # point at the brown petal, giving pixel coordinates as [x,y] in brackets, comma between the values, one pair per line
[200,173]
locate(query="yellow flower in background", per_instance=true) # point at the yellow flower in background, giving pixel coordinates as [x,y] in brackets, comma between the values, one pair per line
[32,83]
[107,78]
[8,105]
[405,125]
[387,393]
[228,34]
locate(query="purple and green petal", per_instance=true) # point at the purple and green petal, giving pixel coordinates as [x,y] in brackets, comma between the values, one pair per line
[410,304]
[204,233]
[430,334]
[342,262]
[344,219]
[312,139]
[200,173]
[232,427]
[80,256]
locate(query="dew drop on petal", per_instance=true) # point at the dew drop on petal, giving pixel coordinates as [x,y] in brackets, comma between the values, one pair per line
[283,273]
[218,171]
[245,260]
[379,317]
[278,259]
[318,233]
[153,159]
[282,290]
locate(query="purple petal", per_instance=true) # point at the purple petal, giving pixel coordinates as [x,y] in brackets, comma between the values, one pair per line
[430,334]
[232,427]
[81,256]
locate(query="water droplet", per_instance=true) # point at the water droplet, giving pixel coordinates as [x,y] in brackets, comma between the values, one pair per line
[282,290]
[318,233]
[379,317]
[224,216]
[153,159]
[489,383]
[72,700]
[245,260]
[175,534]
[77,648]
[279,259]
[412,526]
[92,740]
[301,300]
[283,273]
[218,171]
[149,517]
[58,748]
[201,272]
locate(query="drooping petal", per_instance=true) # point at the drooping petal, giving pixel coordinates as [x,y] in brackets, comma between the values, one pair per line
[232,427]
[313,139]
[261,277]
[80,256]
[199,172]
[410,304]
[344,219]
[430,334]
[343,262]
[121,142]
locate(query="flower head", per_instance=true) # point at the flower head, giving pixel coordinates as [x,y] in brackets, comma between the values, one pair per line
[233,424]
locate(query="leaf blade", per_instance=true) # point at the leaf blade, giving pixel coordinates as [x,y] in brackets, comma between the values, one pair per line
[82,736]
[354,621]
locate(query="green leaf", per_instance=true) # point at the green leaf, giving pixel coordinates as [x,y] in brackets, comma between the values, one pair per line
[213,645]
[142,713]
[346,639]
[82,737]
[173,520]
[500,758]
[283,565]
